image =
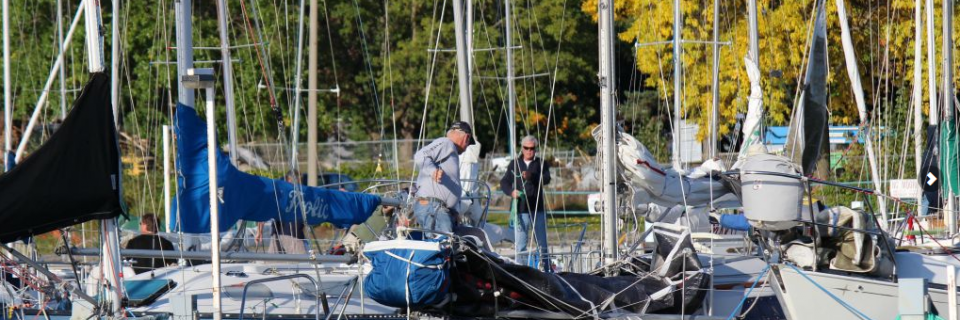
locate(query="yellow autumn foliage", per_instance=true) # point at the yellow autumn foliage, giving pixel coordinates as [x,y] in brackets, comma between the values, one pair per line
[882,33]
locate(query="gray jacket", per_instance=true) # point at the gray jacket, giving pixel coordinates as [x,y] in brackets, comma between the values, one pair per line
[442,154]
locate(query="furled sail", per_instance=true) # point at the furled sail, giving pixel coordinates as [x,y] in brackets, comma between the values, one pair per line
[930,171]
[949,156]
[813,127]
[246,196]
[752,122]
[72,178]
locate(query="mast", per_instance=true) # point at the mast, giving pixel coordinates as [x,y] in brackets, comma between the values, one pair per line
[934,114]
[42,100]
[677,87]
[7,88]
[312,97]
[754,34]
[469,36]
[607,123]
[463,65]
[63,74]
[715,108]
[110,259]
[227,80]
[186,96]
[298,89]
[854,74]
[184,29]
[948,120]
[166,177]
[918,91]
[511,100]
[114,62]
[751,123]
[511,90]
[214,190]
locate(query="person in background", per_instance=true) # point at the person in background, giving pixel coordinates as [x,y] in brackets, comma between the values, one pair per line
[524,182]
[150,240]
[288,236]
[438,184]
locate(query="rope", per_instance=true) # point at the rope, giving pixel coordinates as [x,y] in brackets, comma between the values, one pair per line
[835,298]
[263,69]
[763,273]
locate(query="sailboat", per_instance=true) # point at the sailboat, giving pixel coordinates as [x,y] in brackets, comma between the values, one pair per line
[846,265]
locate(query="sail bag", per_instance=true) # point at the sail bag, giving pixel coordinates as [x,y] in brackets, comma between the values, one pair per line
[407,273]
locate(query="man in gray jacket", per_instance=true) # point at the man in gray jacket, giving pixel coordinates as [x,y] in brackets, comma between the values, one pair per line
[438,184]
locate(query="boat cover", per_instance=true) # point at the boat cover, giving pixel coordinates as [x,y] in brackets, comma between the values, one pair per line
[73,177]
[484,284]
[653,183]
[246,196]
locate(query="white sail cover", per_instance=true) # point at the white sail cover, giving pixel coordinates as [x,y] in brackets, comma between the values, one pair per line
[751,124]
[653,183]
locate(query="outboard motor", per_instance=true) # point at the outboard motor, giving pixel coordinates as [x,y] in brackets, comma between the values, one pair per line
[771,202]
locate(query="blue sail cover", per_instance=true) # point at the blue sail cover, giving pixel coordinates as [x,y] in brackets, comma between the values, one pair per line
[248,197]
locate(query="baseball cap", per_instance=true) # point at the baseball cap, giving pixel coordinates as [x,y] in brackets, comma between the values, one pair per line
[465,127]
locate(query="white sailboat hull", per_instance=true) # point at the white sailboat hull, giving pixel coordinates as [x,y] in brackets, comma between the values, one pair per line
[802,299]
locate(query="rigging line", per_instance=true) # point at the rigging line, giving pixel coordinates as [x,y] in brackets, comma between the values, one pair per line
[393,108]
[801,72]
[258,16]
[239,89]
[333,60]
[426,100]
[483,94]
[367,64]
[553,86]
[263,70]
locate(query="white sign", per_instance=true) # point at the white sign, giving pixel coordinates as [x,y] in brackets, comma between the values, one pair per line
[904,188]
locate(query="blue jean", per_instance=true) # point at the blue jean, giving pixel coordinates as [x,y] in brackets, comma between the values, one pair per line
[522,235]
[432,216]
[924,206]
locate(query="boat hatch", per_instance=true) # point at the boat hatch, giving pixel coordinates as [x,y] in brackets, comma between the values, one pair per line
[144,292]
[256,291]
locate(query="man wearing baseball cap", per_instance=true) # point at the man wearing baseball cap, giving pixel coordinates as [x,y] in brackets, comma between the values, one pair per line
[438,184]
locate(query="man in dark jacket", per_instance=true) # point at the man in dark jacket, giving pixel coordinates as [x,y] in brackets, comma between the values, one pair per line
[150,240]
[524,182]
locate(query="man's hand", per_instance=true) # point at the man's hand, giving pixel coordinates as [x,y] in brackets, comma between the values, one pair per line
[437,175]
[515,194]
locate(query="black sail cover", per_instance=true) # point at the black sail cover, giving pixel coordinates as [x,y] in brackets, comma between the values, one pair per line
[70,179]
[811,119]
[815,116]
[809,126]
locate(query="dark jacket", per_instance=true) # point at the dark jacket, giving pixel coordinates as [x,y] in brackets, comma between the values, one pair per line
[532,187]
[150,242]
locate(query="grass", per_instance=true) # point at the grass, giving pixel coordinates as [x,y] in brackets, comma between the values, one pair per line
[593,221]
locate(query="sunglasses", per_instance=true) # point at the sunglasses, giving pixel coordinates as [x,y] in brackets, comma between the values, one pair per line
[529,148]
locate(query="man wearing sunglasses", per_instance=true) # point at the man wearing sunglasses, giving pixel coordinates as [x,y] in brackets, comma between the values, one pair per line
[524,182]
[438,184]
